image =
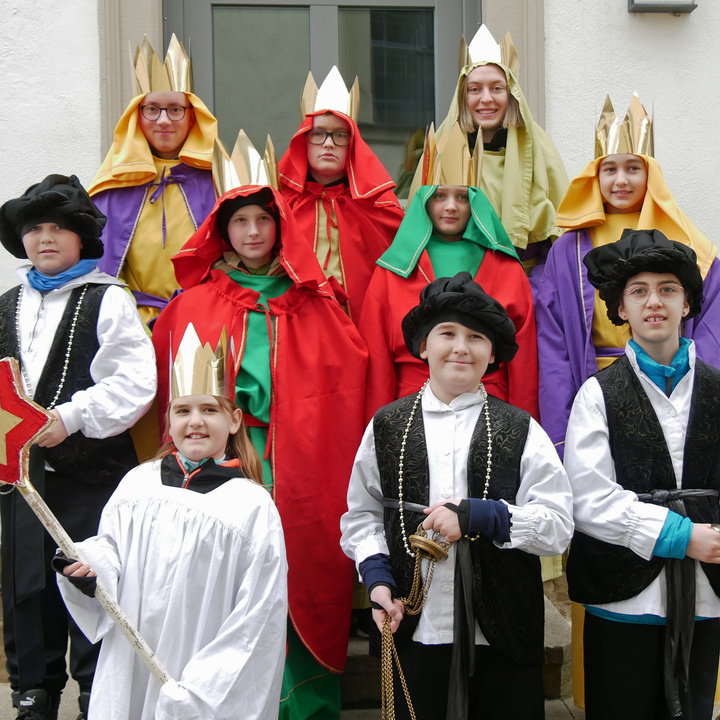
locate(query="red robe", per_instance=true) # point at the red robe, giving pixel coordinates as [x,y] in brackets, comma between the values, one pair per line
[393,372]
[318,364]
[368,213]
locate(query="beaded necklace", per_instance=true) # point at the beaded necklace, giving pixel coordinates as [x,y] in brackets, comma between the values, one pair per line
[401,462]
[67,350]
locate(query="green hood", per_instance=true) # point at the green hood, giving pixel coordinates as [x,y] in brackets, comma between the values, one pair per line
[484,228]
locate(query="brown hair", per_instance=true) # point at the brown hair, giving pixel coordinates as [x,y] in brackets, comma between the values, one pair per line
[238,444]
[512,118]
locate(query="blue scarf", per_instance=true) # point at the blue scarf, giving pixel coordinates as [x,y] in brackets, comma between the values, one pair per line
[660,374]
[44,283]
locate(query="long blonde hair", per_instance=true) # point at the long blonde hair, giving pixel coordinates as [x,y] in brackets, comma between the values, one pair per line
[238,444]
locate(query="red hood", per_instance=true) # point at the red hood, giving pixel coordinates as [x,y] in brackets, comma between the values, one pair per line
[367,176]
[193,262]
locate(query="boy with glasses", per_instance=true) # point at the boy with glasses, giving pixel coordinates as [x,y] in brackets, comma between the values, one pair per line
[155,185]
[642,456]
[338,190]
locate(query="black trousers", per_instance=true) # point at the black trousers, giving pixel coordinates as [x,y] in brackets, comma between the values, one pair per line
[36,628]
[624,671]
[499,689]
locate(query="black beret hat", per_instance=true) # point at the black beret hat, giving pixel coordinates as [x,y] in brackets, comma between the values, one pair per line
[460,299]
[637,251]
[263,197]
[56,197]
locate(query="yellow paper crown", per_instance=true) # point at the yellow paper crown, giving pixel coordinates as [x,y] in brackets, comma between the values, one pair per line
[483,48]
[634,135]
[245,166]
[151,75]
[448,161]
[331,95]
[200,370]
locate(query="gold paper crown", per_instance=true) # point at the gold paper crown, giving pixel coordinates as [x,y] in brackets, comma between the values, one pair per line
[448,161]
[151,75]
[200,370]
[634,135]
[331,95]
[245,166]
[483,48]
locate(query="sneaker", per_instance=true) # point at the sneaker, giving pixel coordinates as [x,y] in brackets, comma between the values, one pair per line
[83,702]
[36,705]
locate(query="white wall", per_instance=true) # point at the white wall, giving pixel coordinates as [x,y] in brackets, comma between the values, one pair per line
[595,47]
[49,97]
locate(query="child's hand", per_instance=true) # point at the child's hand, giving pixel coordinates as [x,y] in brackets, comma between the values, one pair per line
[78,569]
[704,544]
[394,608]
[55,434]
[444,521]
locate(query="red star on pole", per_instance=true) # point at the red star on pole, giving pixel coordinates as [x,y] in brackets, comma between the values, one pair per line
[21,422]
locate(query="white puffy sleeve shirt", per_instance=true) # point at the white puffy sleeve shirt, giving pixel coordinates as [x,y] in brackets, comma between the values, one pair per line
[541,518]
[123,369]
[605,510]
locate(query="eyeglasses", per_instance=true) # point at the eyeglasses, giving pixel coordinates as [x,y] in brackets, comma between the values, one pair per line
[174,112]
[639,294]
[341,138]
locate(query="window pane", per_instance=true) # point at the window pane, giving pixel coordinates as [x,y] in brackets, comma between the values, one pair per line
[258,89]
[391,50]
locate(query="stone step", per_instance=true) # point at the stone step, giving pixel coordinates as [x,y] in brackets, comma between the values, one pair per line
[361,682]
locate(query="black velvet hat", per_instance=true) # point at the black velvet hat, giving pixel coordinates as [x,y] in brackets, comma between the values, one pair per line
[460,299]
[56,199]
[637,251]
[263,198]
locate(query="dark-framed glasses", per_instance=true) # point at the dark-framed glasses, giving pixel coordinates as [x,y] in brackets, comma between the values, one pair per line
[668,293]
[174,112]
[339,137]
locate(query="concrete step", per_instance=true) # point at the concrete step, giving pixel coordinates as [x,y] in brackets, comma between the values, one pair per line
[554,710]
[361,682]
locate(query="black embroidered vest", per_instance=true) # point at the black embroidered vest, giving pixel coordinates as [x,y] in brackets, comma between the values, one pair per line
[95,461]
[600,572]
[508,595]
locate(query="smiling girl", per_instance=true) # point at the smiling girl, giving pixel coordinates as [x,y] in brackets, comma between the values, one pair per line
[522,173]
[191,545]
[623,187]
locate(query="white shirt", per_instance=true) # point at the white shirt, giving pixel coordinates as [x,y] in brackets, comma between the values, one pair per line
[203,577]
[123,368]
[541,519]
[605,510]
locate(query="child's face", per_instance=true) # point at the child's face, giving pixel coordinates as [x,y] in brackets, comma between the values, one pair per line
[458,358]
[165,136]
[487,97]
[200,427]
[251,232]
[52,248]
[623,182]
[327,161]
[654,304]
[449,211]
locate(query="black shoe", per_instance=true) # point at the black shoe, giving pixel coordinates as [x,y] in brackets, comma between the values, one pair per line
[36,705]
[83,702]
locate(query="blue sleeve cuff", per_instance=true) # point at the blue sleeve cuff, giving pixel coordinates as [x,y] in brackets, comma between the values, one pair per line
[674,537]
[377,570]
[490,518]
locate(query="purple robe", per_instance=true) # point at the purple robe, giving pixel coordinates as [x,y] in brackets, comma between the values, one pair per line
[564,314]
[124,205]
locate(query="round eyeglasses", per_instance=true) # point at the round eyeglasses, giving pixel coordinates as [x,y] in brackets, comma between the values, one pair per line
[341,138]
[639,294]
[153,112]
